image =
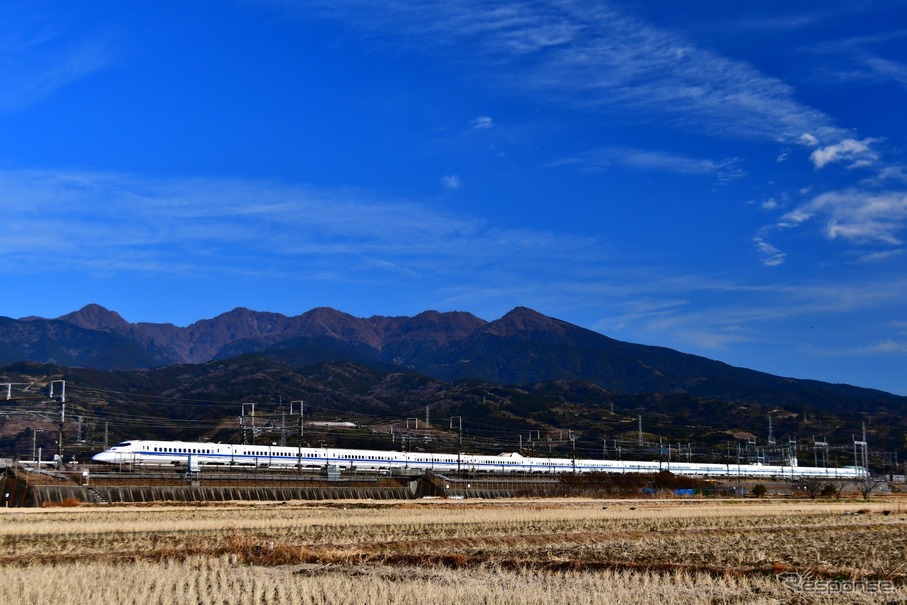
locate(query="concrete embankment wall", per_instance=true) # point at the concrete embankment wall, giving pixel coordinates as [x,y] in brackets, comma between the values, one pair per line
[56,488]
[44,495]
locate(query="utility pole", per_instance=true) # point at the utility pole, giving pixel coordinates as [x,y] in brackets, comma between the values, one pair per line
[823,447]
[62,389]
[34,444]
[62,424]
[299,446]
[301,415]
[62,413]
[538,436]
[640,431]
[242,423]
[459,419]
[861,459]
[572,436]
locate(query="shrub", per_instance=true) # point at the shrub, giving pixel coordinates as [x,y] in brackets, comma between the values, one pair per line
[829,491]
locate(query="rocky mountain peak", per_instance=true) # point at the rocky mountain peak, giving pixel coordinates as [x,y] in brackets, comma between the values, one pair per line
[525,321]
[96,317]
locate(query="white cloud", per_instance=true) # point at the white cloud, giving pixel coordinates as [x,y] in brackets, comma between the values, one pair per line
[451,182]
[857,153]
[482,123]
[808,140]
[855,215]
[770,255]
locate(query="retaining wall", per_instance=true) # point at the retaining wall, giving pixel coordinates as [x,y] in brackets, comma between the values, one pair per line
[43,495]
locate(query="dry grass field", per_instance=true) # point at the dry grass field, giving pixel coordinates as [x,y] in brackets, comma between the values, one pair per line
[517,551]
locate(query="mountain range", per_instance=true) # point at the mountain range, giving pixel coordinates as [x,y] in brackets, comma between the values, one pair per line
[523,347]
[524,373]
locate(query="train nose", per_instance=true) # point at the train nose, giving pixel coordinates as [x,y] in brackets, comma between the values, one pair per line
[104,457]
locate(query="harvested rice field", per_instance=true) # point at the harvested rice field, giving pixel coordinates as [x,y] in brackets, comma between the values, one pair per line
[469,551]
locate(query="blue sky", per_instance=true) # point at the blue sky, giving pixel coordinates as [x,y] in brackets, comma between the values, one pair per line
[725,179]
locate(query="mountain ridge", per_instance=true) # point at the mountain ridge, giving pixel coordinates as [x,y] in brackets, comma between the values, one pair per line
[522,347]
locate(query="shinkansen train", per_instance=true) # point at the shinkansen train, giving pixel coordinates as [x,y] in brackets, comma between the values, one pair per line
[195,455]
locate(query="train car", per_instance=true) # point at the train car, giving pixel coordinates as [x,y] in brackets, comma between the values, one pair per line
[148,452]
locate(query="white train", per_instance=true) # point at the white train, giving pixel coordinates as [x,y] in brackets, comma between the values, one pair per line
[195,455]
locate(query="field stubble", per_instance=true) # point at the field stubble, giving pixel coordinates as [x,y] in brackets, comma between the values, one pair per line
[569,551]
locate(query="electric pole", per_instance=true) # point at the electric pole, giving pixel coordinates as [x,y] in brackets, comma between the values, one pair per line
[460,440]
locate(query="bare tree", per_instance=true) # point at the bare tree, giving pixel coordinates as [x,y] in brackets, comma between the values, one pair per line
[831,491]
[867,485]
[811,486]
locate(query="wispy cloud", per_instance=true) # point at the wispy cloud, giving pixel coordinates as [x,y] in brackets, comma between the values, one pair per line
[112,222]
[863,59]
[656,161]
[887,69]
[673,311]
[593,55]
[887,346]
[36,60]
[769,255]
[451,182]
[482,123]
